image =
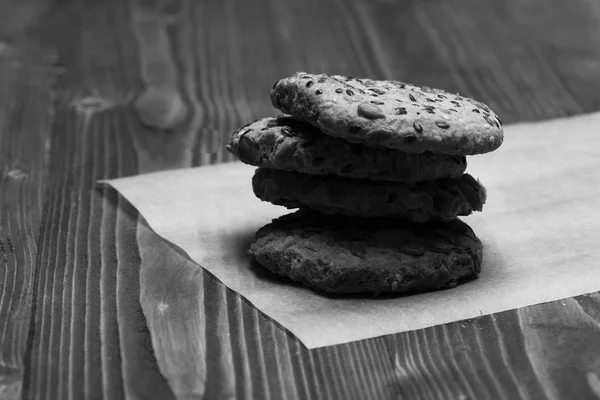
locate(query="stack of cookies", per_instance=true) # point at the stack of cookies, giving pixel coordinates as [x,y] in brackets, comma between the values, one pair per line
[377,171]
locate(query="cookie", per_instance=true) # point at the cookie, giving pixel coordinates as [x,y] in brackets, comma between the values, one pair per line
[339,254]
[390,114]
[286,143]
[442,199]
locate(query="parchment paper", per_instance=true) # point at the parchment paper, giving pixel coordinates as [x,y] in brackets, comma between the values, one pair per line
[540,228]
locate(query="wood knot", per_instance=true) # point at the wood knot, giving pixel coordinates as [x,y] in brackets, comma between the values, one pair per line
[16,174]
[162,109]
[92,105]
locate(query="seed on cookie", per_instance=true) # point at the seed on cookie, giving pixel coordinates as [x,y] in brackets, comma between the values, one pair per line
[378,91]
[417,127]
[488,120]
[370,111]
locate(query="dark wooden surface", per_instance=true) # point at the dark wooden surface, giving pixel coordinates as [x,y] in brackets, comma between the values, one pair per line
[93,305]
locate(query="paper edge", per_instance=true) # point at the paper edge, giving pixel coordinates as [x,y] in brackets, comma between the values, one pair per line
[143,220]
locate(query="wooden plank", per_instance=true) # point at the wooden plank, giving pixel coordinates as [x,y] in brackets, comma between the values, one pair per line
[90,337]
[561,339]
[264,361]
[27,75]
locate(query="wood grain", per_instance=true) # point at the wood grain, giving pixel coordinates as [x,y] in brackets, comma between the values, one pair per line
[100,307]
[26,78]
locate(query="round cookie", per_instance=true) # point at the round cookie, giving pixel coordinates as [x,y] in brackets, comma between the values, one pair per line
[286,143]
[340,254]
[442,199]
[390,114]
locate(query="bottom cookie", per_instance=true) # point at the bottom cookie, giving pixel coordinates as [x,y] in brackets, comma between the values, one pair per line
[341,254]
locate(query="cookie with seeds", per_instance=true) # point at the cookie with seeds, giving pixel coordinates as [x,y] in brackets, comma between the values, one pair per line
[390,114]
[286,143]
[339,254]
[442,199]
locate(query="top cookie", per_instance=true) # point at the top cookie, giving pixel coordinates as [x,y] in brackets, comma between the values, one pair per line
[390,114]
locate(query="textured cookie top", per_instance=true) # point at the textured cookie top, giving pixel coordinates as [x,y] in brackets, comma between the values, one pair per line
[390,113]
[287,143]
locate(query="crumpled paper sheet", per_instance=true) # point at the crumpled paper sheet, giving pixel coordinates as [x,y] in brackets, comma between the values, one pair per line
[540,228]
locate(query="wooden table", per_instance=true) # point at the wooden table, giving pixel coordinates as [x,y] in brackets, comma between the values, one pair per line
[93,305]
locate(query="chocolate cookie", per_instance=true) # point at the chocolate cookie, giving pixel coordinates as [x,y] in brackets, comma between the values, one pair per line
[442,199]
[286,143]
[390,114]
[341,254]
